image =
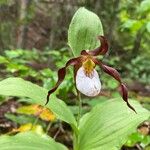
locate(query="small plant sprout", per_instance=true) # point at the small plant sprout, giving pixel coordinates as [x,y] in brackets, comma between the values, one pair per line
[86,77]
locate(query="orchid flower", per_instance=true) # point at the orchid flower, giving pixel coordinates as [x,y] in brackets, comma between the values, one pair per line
[86,77]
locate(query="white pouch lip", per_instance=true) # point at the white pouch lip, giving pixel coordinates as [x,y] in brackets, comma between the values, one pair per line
[89,86]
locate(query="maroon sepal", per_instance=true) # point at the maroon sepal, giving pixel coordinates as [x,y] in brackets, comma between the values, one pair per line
[115,74]
[61,75]
[112,72]
[124,93]
[102,50]
[84,52]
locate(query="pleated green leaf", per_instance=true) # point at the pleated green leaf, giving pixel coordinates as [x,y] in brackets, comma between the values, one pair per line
[29,141]
[37,94]
[108,125]
[83,31]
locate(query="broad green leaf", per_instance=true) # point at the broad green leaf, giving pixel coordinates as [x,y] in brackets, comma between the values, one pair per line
[29,141]
[108,125]
[37,94]
[83,31]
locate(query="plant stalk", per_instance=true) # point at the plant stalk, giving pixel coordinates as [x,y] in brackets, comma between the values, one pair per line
[80,108]
[75,136]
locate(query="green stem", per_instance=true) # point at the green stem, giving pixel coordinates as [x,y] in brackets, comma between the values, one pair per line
[75,136]
[80,108]
[74,141]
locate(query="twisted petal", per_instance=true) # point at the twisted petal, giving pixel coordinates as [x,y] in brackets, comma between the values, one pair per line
[124,93]
[61,75]
[115,74]
[102,50]
[111,71]
[88,85]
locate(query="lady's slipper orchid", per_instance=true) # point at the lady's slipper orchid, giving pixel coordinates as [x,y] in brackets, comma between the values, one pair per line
[86,77]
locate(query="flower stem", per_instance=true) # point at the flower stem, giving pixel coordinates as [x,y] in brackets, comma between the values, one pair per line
[80,107]
[75,135]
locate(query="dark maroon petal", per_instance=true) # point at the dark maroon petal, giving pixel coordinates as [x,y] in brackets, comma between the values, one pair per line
[115,74]
[102,50]
[124,93]
[109,70]
[112,72]
[84,52]
[61,75]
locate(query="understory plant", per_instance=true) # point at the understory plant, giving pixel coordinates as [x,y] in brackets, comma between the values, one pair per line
[107,125]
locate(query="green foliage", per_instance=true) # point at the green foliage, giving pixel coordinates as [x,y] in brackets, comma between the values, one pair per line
[17,62]
[108,125]
[95,101]
[3,2]
[22,88]
[132,25]
[24,54]
[148,26]
[25,63]
[125,120]
[50,77]
[138,138]
[144,7]
[139,69]
[134,18]
[29,140]
[83,30]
